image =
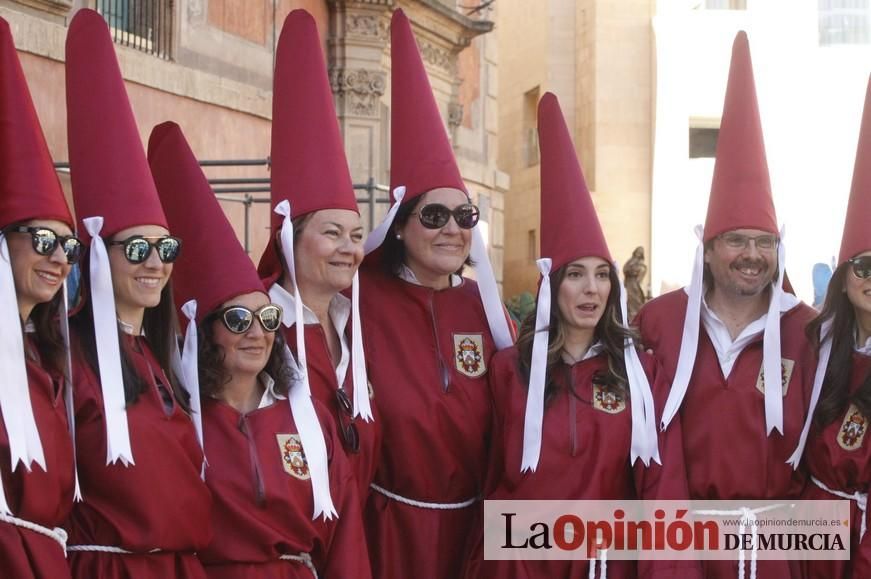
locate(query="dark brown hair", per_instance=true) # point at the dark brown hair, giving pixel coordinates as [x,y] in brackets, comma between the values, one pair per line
[160,325]
[213,375]
[48,338]
[835,396]
[610,331]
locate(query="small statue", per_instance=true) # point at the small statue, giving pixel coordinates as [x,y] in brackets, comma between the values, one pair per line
[634,271]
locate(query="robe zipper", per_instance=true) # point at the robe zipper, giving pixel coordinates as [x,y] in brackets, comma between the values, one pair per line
[259,488]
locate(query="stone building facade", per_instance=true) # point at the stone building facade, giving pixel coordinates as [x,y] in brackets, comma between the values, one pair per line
[215,79]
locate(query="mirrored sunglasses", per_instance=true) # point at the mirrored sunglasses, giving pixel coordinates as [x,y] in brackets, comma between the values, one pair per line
[45,242]
[861,266]
[347,424]
[436,215]
[137,249]
[238,319]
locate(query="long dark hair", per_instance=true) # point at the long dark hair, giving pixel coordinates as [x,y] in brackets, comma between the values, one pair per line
[47,337]
[160,325]
[835,396]
[393,252]
[610,331]
[213,375]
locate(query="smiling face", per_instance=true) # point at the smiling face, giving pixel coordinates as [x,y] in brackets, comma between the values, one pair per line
[328,252]
[583,295]
[37,277]
[741,272]
[137,285]
[244,354]
[859,294]
[434,254]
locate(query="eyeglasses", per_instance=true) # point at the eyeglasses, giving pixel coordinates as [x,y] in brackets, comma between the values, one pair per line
[861,266]
[138,248]
[740,241]
[238,319]
[45,242]
[347,425]
[436,215]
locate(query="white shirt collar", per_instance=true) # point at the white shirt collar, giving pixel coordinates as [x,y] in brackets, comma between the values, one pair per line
[728,349]
[406,274]
[591,352]
[270,396]
[29,327]
[339,311]
[864,349]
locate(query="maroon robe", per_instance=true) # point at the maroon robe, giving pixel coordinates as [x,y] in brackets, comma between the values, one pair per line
[324,384]
[263,505]
[727,452]
[584,456]
[427,352]
[41,497]
[159,503]
[839,456]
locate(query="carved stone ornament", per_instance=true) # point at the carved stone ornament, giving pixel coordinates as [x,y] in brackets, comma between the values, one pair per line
[59,7]
[455,114]
[366,26]
[359,90]
[437,56]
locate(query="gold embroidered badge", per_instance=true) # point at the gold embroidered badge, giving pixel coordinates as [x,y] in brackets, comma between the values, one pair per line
[608,399]
[293,456]
[469,354]
[786,367]
[853,429]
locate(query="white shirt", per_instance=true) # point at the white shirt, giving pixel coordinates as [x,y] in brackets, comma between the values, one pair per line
[270,396]
[339,311]
[728,349]
[406,274]
[865,350]
[591,352]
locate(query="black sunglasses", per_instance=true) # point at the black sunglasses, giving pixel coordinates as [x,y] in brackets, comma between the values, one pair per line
[436,215]
[138,248]
[238,319]
[350,434]
[45,242]
[861,266]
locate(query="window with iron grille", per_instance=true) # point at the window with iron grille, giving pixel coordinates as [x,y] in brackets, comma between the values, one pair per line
[145,25]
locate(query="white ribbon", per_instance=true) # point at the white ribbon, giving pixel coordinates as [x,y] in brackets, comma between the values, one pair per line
[377,235]
[489,292]
[108,349]
[771,362]
[603,565]
[534,418]
[299,397]
[68,387]
[360,379]
[24,443]
[689,342]
[819,377]
[645,444]
[187,368]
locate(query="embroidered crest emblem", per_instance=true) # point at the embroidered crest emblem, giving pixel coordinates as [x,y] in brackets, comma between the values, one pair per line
[292,456]
[786,367]
[608,399]
[853,429]
[469,354]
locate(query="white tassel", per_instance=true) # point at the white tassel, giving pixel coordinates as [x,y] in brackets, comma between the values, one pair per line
[489,292]
[359,376]
[771,362]
[68,388]
[377,235]
[534,419]
[819,377]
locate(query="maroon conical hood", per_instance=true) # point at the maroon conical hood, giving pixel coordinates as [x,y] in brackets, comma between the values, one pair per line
[108,168]
[741,187]
[421,157]
[213,268]
[857,233]
[29,187]
[309,167]
[570,228]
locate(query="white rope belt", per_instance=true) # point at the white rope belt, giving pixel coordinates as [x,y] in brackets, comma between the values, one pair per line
[58,534]
[108,549]
[303,558]
[423,505]
[747,517]
[860,498]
